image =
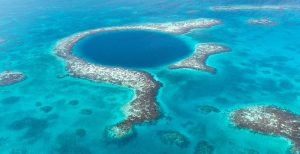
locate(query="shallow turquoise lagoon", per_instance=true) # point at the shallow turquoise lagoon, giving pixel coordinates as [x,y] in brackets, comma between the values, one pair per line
[262,68]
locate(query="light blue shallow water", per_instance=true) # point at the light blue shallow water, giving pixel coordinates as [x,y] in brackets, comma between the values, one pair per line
[262,68]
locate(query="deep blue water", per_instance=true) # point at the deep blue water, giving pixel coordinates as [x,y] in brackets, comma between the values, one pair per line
[132,48]
[262,68]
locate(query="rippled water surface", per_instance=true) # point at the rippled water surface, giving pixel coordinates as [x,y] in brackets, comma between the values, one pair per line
[262,68]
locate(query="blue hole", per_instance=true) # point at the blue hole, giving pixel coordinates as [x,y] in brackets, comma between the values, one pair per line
[132,49]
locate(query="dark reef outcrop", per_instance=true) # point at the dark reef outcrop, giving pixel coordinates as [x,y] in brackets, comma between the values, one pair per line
[207,109]
[197,60]
[203,147]
[269,120]
[261,21]
[174,138]
[254,7]
[10,77]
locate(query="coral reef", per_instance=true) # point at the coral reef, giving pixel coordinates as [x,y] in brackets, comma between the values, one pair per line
[261,21]
[86,111]
[174,138]
[10,77]
[80,132]
[73,102]
[144,106]
[119,132]
[197,60]
[33,127]
[10,100]
[254,7]
[71,144]
[37,104]
[203,147]
[46,109]
[207,109]
[269,120]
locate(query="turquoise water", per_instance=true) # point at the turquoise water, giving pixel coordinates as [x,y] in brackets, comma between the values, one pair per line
[132,49]
[262,68]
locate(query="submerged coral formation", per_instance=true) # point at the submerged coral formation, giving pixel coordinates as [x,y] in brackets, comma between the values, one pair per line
[86,111]
[10,100]
[269,120]
[46,109]
[207,109]
[254,7]
[203,147]
[119,132]
[10,77]
[80,132]
[261,21]
[182,26]
[197,60]
[144,106]
[174,138]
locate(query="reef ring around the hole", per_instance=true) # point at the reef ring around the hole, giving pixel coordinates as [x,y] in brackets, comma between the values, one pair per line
[143,107]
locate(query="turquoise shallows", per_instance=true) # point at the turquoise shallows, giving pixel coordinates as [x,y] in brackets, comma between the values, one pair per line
[262,68]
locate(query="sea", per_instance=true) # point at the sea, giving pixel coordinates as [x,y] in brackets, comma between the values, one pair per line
[48,114]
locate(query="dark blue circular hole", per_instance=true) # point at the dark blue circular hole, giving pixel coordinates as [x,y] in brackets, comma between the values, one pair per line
[132,48]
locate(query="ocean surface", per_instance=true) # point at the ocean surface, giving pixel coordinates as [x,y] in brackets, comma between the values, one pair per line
[133,48]
[46,114]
